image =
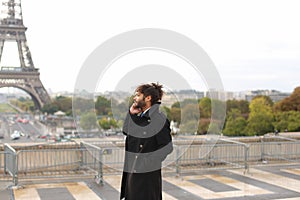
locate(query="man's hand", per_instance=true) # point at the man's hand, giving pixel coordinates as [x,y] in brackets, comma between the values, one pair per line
[134,109]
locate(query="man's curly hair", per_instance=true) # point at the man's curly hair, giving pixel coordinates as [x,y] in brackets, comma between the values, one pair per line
[152,89]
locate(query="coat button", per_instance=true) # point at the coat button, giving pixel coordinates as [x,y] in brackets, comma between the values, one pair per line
[141,146]
[136,156]
[144,132]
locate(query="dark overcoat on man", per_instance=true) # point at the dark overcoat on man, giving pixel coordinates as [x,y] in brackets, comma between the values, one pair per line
[148,142]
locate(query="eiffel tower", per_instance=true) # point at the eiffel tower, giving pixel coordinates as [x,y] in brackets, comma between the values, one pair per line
[25,77]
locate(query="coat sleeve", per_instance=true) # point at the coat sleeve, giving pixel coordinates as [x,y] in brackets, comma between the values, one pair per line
[125,125]
[129,117]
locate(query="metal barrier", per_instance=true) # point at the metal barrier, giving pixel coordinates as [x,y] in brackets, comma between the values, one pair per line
[10,165]
[6,179]
[222,154]
[184,158]
[92,157]
[109,156]
[47,161]
[96,158]
[195,156]
[278,148]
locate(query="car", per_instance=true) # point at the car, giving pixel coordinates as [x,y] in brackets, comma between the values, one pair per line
[23,120]
[16,135]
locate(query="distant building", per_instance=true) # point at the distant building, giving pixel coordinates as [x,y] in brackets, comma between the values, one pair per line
[274,95]
[171,97]
[119,96]
[177,96]
[220,95]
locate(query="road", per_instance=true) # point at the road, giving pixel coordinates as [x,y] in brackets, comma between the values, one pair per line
[9,124]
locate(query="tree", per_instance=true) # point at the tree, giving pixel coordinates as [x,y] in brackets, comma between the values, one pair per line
[64,104]
[294,121]
[190,118]
[119,110]
[281,121]
[268,100]
[82,105]
[88,121]
[203,126]
[49,108]
[102,106]
[59,103]
[205,107]
[107,123]
[174,113]
[25,104]
[187,102]
[176,105]
[241,105]
[235,123]
[289,120]
[167,111]
[189,127]
[218,112]
[261,118]
[244,107]
[290,103]
[190,112]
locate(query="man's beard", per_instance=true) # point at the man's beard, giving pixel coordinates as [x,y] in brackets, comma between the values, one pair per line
[140,104]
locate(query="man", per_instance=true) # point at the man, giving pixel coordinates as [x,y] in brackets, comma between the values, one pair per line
[148,142]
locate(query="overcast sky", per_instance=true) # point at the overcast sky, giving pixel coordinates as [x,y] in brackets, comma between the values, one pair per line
[253,44]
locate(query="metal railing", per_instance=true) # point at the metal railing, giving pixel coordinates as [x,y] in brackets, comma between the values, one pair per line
[6,178]
[92,157]
[220,155]
[10,163]
[279,148]
[186,156]
[50,161]
[108,154]
[95,159]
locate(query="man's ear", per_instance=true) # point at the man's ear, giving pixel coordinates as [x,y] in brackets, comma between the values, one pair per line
[148,98]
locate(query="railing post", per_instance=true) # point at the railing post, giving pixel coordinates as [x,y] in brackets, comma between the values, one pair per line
[5,167]
[11,165]
[177,163]
[15,178]
[246,164]
[81,154]
[99,177]
[262,149]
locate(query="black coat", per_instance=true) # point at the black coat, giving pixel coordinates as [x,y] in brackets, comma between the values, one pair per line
[146,148]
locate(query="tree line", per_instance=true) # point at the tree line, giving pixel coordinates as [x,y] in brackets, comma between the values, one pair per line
[263,116]
[259,116]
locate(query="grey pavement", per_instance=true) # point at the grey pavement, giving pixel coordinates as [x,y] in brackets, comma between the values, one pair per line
[5,192]
[261,182]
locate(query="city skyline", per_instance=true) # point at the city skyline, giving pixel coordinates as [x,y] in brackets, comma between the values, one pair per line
[251,45]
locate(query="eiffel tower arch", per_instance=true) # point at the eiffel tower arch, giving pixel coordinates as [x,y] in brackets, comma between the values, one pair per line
[25,77]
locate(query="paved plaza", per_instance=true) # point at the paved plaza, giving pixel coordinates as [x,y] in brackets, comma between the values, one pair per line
[261,182]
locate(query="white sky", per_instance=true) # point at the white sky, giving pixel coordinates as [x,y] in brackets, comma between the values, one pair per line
[253,44]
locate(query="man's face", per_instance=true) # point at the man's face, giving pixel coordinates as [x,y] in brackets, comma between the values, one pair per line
[139,99]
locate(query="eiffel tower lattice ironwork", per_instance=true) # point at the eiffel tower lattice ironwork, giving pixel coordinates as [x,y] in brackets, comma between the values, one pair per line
[25,77]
